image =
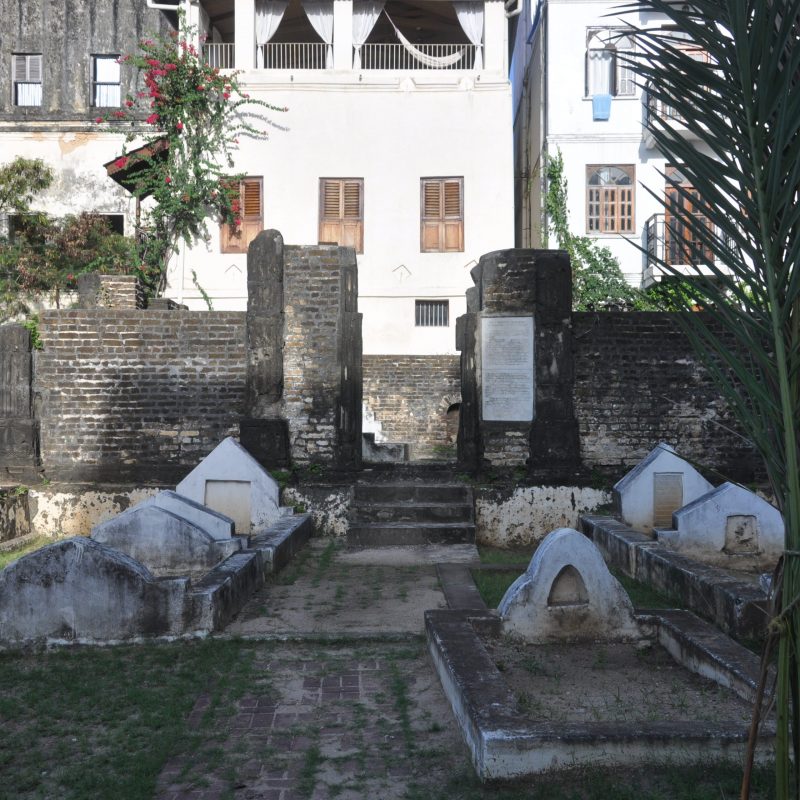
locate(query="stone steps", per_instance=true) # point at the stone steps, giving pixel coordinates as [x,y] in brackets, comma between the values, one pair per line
[410,514]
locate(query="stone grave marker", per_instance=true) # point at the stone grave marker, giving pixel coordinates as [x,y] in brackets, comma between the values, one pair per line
[567,594]
[164,542]
[217,525]
[729,522]
[229,480]
[660,484]
[81,590]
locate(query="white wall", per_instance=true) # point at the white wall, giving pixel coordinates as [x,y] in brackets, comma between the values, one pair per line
[391,131]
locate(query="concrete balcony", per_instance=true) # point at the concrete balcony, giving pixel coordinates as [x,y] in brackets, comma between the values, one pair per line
[656,114]
[669,242]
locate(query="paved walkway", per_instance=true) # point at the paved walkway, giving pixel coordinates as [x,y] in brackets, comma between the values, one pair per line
[344,702]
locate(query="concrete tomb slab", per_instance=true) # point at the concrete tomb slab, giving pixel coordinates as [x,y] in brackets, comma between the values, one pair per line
[81,590]
[229,480]
[164,542]
[728,525]
[656,487]
[212,522]
[567,594]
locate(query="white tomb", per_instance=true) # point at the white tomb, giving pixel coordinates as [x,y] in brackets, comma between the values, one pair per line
[229,480]
[165,543]
[728,525]
[217,525]
[656,487]
[567,594]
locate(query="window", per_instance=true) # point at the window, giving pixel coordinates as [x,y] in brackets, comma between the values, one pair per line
[606,74]
[27,79]
[106,81]
[431,313]
[248,205]
[609,199]
[442,215]
[341,212]
[686,228]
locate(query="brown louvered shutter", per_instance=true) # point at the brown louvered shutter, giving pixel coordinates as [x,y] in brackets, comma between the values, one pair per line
[235,239]
[442,215]
[341,212]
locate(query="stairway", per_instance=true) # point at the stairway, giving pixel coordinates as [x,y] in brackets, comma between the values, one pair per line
[385,515]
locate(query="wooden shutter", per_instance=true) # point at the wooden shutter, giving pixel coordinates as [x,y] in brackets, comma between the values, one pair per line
[236,239]
[442,215]
[341,212]
[28,68]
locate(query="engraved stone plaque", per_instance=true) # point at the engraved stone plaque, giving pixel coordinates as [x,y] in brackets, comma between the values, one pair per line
[507,368]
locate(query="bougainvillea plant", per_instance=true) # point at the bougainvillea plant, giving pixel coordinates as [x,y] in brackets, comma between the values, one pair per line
[185,121]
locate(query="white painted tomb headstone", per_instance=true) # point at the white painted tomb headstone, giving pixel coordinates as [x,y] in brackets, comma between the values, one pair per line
[231,481]
[164,542]
[567,594]
[661,483]
[729,522]
[217,525]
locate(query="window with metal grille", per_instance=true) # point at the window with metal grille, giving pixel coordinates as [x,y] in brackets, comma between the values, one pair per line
[431,313]
[442,215]
[341,212]
[106,90]
[609,198]
[248,211]
[27,79]
[606,71]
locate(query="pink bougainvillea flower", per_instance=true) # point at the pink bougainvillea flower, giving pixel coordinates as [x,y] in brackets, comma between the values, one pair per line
[98,119]
[200,87]
[121,162]
[152,119]
[129,103]
[170,67]
[237,221]
[179,126]
[168,179]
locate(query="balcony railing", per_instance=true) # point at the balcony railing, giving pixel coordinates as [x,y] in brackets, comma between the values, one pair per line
[219,54]
[656,109]
[432,56]
[292,55]
[672,241]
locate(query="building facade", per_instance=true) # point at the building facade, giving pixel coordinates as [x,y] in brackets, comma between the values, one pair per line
[396,139]
[574,92]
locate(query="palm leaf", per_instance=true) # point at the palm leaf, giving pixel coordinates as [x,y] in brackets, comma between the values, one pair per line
[743,107]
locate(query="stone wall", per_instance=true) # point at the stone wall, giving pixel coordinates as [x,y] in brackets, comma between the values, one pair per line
[410,396]
[637,383]
[143,395]
[322,355]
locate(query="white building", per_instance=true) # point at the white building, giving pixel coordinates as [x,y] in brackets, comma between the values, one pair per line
[572,92]
[403,151]
[397,140]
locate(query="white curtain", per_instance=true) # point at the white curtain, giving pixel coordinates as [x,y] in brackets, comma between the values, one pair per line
[365,15]
[599,74]
[470,16]
[269,14]
[320,15]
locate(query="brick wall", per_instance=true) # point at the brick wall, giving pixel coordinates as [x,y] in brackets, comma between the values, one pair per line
[638,382]
[322,352]
[137,394]
[410,395]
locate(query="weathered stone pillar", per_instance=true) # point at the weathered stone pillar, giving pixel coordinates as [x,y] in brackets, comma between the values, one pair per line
[19,431]
[516,363]
[263,431]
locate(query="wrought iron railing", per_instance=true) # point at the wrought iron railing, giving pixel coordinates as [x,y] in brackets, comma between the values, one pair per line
[673,241]
[292,55]
[431,56]
[220,54]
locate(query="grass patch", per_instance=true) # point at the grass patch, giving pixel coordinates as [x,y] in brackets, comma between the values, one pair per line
[102,722]
[500,555]
[7,556]
[493,585]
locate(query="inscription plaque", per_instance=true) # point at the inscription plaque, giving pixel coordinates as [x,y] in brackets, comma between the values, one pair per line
[507,369]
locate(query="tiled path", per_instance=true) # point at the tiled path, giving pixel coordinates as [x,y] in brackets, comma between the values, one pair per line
[358,718]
